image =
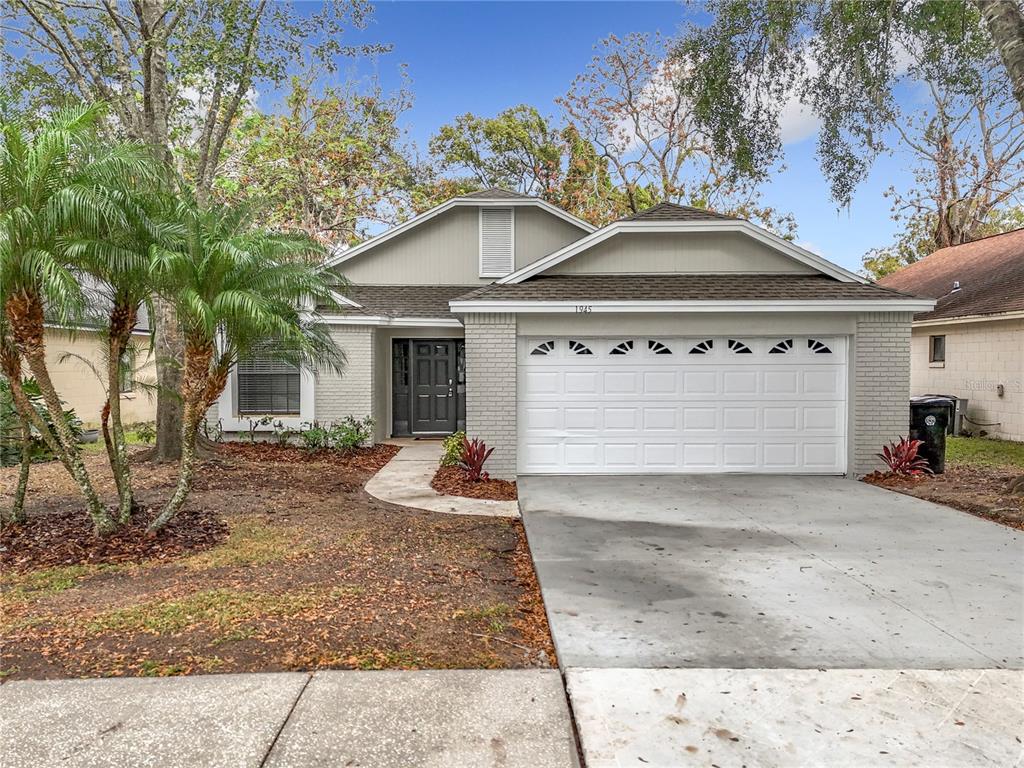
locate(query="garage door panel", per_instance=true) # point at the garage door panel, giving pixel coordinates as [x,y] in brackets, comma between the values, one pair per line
[538,419]
[622,455]
[658,419]
[581,382]
[740,456]
[740,383]
[724,410]
[781,418]
[741,418]
[618,419]
[779,382]
[581,418]
[700,418]
[700,383]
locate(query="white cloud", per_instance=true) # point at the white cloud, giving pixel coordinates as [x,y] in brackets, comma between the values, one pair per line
[797,121]
[807,245]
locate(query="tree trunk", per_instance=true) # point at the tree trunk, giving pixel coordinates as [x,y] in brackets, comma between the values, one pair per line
[194,385]
[1004,20]
[170,351]
[25,315]
[169,356]
[122,321]
[17,513]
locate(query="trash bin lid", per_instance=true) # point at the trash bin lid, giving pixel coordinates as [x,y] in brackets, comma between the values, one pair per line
[932,400]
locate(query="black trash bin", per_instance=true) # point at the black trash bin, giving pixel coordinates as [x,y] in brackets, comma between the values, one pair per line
[929,417]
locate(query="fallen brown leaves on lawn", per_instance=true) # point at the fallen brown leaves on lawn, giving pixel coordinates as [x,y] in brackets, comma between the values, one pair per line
[313,574]
[452,481]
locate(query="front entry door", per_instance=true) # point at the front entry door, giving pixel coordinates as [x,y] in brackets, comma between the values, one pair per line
[434,385]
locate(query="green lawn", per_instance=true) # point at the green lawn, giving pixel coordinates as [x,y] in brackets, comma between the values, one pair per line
[984,452]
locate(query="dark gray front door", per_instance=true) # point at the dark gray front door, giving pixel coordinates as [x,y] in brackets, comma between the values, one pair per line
[434,384]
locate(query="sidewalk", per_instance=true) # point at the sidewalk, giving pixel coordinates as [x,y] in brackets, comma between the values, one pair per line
[390,719]
[405,480]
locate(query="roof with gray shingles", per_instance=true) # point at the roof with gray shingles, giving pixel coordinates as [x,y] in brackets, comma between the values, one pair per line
[738,287]
[674,212]
[430,301]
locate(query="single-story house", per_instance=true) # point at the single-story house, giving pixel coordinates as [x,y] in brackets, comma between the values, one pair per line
[675,340]
[971,344]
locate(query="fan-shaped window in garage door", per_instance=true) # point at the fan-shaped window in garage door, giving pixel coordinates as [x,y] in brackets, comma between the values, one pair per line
[818,347]
[781,347]
[739,348]
[703,347]
[658,348]
[579,348]
[622,348]
[544,348]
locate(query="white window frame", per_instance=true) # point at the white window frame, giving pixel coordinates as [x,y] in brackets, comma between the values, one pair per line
[231,421]
[512,240]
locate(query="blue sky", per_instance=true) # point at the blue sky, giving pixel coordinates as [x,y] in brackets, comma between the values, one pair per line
[482,57]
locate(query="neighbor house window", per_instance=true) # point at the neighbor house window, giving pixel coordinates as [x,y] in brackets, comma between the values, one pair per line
[496,242]
[267,386]
[936,349]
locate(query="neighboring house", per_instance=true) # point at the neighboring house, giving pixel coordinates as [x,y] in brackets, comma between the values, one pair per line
[676,340]
[77,384]
[971,344]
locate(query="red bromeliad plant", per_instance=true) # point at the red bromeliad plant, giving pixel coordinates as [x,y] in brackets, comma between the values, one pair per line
[474,453]
[902,458]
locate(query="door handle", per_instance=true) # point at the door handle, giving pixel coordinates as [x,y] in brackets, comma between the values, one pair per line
[450,392]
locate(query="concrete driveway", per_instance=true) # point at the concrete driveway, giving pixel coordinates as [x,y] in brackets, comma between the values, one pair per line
[761,572]
[783,621]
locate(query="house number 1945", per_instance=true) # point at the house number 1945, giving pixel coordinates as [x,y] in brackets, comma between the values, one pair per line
[584,308]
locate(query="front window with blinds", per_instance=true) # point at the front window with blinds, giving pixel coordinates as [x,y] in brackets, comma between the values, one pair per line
[496,242]
[267,386]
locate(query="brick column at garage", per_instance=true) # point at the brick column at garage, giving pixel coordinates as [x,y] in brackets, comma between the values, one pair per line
[881,385]
[491,387]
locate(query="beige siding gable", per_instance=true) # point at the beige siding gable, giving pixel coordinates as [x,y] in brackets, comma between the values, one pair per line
[445,249]
[680,253]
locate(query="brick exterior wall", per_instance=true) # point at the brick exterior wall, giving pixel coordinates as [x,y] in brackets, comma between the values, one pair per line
[881,385]
[491,387]
[350,391]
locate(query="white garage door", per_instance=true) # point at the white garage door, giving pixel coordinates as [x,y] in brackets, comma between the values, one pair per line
[708,404]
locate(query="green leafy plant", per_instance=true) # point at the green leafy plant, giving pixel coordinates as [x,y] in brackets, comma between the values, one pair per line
[350,433]
[145,431]
[472,458]
[10,451]
[282,435]
[315,437]
[452,449]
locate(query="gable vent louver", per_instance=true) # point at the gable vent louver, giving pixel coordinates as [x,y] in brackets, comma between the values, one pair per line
[496,255]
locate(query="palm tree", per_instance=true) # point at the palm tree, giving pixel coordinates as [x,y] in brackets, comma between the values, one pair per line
[237,289]
[57,185]
[121,260]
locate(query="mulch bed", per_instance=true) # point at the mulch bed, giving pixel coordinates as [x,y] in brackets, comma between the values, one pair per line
[67,538]
[314,574]
[363,459]
[977,490]
[451,481]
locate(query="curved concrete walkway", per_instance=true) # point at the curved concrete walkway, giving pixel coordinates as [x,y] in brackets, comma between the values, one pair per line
[405,480]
